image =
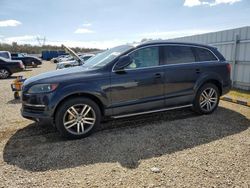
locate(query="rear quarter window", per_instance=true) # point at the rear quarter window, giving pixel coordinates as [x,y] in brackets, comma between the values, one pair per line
[204,55]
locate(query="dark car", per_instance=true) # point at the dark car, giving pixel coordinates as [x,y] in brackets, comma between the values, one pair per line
[26,59]
[127,81]
[8,67]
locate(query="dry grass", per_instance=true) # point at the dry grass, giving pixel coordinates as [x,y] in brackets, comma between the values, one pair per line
[241,94]
[189,150]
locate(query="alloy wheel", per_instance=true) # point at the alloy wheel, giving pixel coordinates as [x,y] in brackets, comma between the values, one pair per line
[4,73]
[208,99]
[79,119]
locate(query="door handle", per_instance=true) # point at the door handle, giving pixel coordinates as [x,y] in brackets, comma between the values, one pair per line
[158,75]
[198,71]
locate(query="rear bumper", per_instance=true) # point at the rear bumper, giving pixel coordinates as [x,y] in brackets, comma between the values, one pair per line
[226,87]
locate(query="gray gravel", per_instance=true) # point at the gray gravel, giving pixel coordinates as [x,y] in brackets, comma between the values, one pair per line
[182,148]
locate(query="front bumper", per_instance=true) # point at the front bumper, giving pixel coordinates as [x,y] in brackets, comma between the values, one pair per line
[37,106]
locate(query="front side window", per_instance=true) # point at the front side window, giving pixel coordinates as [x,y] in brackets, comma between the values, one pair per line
[205,55]
[178,54]
[146,57]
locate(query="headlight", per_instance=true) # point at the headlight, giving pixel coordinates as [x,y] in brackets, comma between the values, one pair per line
[42,88]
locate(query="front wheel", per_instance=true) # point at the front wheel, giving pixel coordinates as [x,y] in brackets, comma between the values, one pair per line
[77,118]
[207,99]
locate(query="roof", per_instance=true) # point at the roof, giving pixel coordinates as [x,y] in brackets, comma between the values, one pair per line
[159,42]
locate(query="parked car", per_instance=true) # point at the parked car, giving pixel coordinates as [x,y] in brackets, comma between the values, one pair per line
[127,81]
[5,54]
[73,63]
[26,59]
[8,67]
[59,58]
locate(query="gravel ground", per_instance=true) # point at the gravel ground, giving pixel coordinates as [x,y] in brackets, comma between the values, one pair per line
[170,149]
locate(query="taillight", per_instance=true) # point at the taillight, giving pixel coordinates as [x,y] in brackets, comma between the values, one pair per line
[229,68]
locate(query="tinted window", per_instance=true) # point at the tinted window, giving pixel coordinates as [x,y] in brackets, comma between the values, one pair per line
[146,57]
[178,54]
[85,58]
[5,55]
[205,55]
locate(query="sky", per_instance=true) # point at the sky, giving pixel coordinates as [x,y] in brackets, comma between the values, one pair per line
[104,24]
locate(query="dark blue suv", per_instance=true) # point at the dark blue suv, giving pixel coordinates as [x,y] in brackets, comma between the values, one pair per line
[127,81]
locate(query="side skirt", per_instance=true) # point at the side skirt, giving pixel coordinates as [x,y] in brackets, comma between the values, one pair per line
[151,111]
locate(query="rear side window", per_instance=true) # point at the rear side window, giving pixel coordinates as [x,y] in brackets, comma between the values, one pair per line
[178,54]
[204,55]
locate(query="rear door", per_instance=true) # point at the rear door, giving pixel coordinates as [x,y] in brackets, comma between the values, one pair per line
[140,87]
[181,73]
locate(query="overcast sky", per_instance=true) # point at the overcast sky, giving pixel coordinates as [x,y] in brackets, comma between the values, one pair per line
[104,24]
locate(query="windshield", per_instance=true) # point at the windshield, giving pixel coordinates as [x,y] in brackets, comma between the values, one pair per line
[104,58]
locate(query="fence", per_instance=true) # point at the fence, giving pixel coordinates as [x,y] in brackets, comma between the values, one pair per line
[234,44]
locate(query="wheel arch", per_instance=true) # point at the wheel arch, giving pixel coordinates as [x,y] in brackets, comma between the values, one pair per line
[80,94]
[211,78]
[5,67]
[217,83]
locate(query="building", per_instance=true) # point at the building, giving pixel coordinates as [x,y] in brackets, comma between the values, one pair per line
[234,44]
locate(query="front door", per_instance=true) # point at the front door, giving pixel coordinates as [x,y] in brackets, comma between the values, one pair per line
[140,86]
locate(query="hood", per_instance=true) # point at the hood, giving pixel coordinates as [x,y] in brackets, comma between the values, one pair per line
[53,75]
[72,53]
[66,62]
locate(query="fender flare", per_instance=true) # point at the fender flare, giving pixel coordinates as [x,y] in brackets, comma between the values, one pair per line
[207,77]
[79,89]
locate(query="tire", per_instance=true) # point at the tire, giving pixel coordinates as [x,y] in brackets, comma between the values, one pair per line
[77,118]
[4,73]
[207,99]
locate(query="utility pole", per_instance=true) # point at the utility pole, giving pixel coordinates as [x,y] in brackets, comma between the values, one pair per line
[41,40]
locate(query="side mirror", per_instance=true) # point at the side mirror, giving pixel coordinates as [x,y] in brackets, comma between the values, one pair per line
[123,62]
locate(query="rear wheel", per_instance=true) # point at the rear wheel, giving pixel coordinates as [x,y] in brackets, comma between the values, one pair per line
[77,118]
[207,99]
[4,73]
[34,65]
